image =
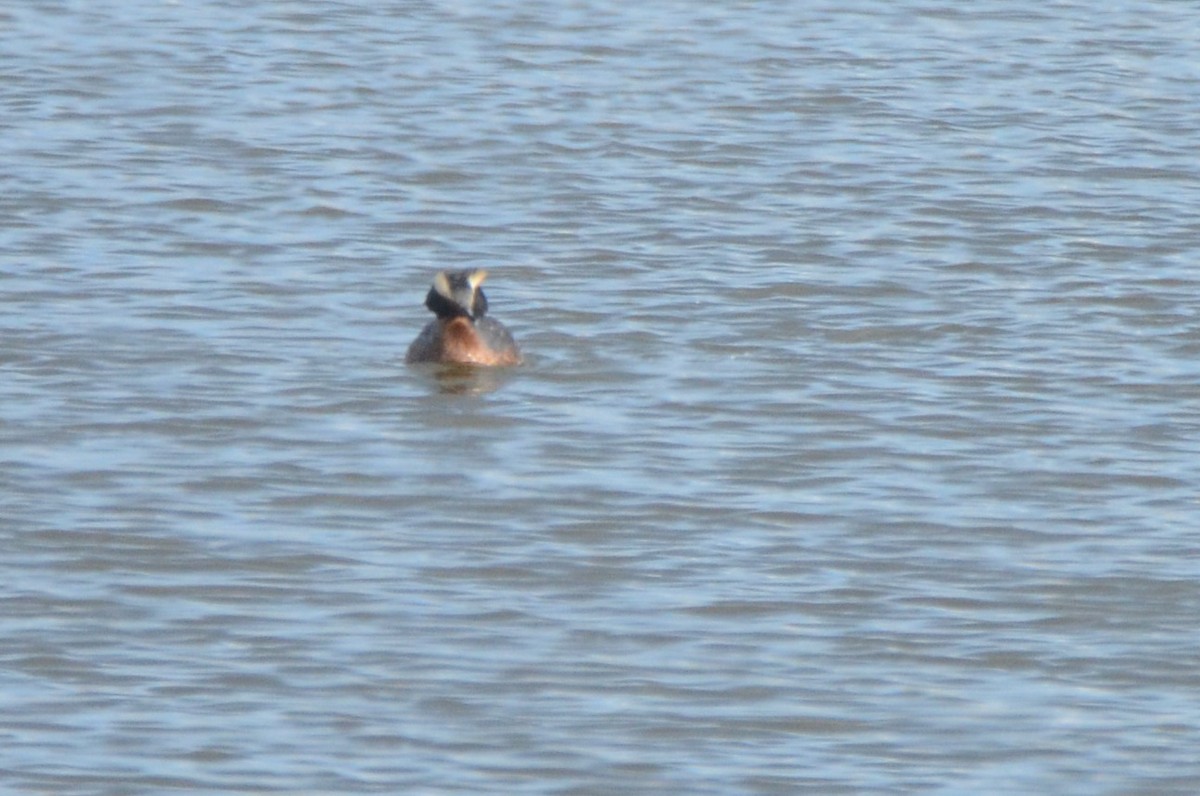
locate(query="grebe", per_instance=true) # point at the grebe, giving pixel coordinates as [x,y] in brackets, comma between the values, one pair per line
[462,333]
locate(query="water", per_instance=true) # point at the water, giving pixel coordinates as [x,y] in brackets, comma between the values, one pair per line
[856,448]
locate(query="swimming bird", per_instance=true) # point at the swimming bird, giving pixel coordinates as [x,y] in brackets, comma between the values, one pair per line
[462,333]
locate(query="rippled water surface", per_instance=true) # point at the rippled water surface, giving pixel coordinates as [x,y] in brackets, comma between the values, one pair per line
[856,449]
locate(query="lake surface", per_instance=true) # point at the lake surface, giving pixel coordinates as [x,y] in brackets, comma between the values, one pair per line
[856,449]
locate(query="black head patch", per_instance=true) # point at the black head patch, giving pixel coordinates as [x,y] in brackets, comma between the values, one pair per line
[457,293]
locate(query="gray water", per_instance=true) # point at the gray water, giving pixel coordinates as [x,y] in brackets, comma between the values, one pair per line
[856,449]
